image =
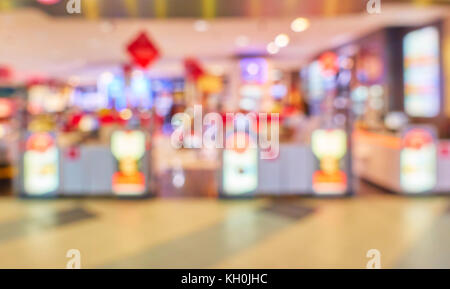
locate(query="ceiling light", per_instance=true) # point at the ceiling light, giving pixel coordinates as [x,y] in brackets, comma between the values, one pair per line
[201,25]
[272,48]
[282,40]
[300,24]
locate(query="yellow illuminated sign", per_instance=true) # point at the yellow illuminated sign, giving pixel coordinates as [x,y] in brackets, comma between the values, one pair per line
[128,147]
[329,146]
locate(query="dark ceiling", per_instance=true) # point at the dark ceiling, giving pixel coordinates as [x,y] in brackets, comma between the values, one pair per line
[204,8]
[197,8]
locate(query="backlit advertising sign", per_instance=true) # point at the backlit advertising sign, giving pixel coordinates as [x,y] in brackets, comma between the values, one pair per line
[418,160]
[421,72]
[329,146]
[240,166]
[128,148]
[40,161]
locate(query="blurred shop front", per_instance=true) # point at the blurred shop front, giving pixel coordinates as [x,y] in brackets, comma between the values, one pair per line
[393,81]
[113,138]
[374,107]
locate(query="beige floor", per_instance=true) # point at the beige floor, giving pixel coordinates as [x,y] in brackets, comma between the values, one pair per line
[209,233]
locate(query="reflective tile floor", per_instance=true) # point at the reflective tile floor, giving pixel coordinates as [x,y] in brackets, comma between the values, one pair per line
[208,233]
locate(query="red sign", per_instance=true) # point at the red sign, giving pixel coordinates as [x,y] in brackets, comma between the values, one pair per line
[143,51]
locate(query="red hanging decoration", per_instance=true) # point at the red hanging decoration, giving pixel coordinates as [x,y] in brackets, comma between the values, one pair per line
[193,68]
[143,51]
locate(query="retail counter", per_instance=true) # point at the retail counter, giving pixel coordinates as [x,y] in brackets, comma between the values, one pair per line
[383,159]
[289,174]
[119,169]
[299,169]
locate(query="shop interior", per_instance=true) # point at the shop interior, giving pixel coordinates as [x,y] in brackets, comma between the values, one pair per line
[124,122]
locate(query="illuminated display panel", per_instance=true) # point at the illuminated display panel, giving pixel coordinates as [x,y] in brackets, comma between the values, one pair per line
[254,70]
[418,161]
[42,99]
[315,81]
[116,93]
[128,147]
[254,74]
[41,170]
[140,95]
[329,146]
[240,167]
[421,72]
[89,101]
